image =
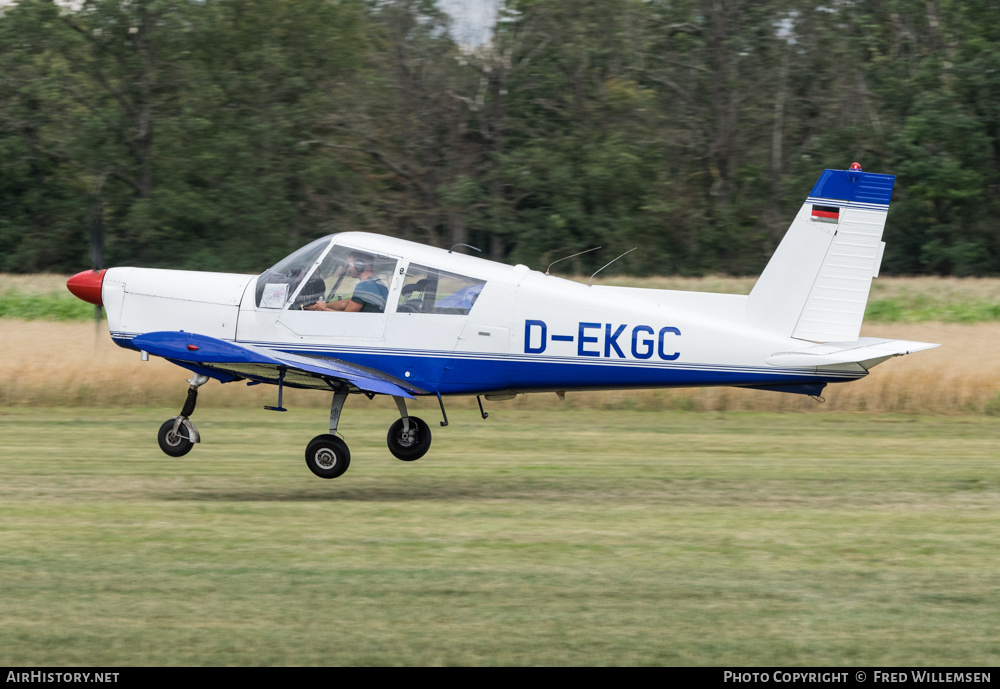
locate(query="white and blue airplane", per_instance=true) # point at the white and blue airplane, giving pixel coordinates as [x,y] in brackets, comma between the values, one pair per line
[361,313]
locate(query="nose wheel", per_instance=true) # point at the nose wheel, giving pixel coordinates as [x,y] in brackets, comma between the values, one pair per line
[174,437]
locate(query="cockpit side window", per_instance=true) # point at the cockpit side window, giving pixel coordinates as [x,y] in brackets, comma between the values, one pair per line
[429,290]
[338,278]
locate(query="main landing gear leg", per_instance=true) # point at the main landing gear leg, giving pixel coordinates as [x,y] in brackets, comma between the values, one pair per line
[410,437]
[178,435]
[327,455]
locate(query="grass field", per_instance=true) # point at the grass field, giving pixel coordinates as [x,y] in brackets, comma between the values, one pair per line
[531,538]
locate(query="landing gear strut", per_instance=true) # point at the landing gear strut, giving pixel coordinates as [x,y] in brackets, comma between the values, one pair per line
[178,435]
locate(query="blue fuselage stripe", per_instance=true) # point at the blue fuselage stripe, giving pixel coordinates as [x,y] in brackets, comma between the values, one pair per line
[461,373]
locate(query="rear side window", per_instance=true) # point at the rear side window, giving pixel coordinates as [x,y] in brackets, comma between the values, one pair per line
[429,290]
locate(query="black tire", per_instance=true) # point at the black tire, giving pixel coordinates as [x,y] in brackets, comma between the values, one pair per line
[327,456]
[409,446]
[174,444]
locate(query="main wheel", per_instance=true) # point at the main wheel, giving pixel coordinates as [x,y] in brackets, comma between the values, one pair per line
[174,444]
[327,456]
[412,444]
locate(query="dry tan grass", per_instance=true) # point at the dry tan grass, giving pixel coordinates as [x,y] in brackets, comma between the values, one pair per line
[41,283]
[720,284]
[51,363]
[957,290]
[46,363]
[963,375]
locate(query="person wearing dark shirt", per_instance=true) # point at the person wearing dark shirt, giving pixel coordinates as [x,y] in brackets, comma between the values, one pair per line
[369,295]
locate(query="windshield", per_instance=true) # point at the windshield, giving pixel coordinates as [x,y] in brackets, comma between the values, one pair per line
[278,284]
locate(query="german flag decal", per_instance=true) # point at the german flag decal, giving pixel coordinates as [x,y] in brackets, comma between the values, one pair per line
[826,213]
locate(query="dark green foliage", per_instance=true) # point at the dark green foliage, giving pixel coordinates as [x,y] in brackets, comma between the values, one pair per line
[220,135]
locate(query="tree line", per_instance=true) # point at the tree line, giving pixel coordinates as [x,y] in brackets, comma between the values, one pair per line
[222,134]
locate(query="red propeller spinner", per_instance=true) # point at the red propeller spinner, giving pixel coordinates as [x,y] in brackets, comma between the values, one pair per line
[87,285]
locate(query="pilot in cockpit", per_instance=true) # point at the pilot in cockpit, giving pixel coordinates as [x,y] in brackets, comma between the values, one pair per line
[370,293]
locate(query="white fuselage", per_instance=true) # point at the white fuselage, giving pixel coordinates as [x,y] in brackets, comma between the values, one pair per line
[525,331]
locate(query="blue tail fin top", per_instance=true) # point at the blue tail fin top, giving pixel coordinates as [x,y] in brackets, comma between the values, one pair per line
[854,186]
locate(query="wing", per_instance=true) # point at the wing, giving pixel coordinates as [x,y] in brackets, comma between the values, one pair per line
[228,361]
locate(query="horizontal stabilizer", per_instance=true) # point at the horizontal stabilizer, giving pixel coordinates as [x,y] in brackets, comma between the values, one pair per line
[266,365]
[866,351]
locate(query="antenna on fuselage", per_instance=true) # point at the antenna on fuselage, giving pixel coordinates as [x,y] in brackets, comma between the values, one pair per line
[608,264]
[568,257]
[466,245]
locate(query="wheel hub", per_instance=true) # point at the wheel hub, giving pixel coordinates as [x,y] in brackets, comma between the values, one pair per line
[326,458]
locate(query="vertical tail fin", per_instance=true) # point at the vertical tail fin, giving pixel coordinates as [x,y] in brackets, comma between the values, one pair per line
[816,285]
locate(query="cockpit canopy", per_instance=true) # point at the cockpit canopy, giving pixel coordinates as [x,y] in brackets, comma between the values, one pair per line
[321,270]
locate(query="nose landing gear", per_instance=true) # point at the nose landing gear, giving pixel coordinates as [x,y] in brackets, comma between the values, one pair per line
[178,435]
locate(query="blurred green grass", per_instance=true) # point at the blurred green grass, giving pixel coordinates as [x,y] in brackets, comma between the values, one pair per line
[921,309]
[48,307]
[532,538]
